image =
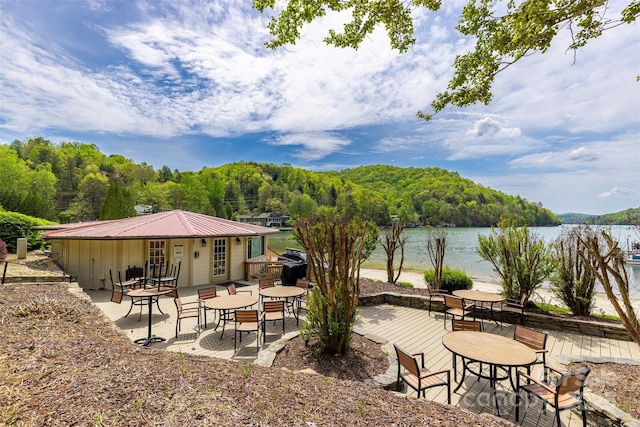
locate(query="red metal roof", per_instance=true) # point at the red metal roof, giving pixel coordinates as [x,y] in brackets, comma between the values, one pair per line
[172,224]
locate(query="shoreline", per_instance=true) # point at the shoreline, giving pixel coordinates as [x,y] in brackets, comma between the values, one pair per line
[602,304]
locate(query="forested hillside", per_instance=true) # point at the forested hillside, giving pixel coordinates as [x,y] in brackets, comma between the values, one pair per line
[74,181]
[434,196]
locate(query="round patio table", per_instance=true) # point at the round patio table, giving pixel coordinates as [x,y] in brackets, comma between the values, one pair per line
[480,297]
[493,350]
[149,293]
[226,303]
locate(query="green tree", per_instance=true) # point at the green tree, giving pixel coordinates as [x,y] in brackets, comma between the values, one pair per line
[334,245]
[504,32]
[93,191]
[302,205]
[520,258]
[118,203]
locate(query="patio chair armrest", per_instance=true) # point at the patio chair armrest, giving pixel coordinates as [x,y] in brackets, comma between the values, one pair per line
[540,383]
[432,373]
[557,371]
[513,302]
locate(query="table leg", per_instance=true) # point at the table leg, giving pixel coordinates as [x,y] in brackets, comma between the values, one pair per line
[464,372]
[492,315]
[150,338]
[493,373]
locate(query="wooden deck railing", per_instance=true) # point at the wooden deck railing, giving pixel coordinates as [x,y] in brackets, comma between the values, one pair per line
[263,269]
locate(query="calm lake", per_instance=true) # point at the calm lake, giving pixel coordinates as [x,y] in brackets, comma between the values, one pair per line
[461,251]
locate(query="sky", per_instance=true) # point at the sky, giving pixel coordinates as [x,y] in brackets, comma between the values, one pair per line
[190,84]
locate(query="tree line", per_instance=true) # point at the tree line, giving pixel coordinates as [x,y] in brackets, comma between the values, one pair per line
[74,181]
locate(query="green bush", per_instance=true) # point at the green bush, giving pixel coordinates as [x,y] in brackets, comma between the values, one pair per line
[14,225]
[452,280]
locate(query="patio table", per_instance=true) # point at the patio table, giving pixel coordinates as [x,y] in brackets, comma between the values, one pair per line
[150,294]
[493,350]
[481,297]
[225,303]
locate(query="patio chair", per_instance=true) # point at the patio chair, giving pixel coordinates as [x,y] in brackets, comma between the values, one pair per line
[455,306]
[514,306]
[122,288]
[565,393]
[187,310]
[265,284]
[271,311]
[436,295]
[231,288]
[466,325]
[536,340]
[247,321]
[418,377]
[203,295]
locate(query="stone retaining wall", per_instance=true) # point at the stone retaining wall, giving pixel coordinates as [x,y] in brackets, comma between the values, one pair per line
[599,329]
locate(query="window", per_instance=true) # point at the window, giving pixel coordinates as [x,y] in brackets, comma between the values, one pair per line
[255,248]
[219,257]
[156,253]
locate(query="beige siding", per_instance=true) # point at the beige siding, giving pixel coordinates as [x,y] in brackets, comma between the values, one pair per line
[236,256]
[201,266]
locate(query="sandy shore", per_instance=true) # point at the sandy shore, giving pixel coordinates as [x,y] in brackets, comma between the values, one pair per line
[542,295]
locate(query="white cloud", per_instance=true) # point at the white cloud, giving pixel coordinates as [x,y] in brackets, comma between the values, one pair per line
[488,127]
[617,191]
[312,145]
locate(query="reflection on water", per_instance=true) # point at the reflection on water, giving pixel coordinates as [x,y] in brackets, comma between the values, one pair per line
[461,251]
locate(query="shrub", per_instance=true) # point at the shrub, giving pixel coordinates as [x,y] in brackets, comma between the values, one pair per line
[573,282]
[14,225]
[452,279]
[521,259]
[3,250]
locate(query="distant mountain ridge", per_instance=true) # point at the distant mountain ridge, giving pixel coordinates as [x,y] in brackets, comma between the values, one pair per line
[626,217]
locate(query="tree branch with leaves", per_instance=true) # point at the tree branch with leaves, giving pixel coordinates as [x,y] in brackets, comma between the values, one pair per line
[505,32]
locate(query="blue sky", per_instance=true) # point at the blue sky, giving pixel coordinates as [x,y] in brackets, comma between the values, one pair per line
[191,85]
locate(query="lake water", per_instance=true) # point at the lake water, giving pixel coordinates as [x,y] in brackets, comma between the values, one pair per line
[461,250]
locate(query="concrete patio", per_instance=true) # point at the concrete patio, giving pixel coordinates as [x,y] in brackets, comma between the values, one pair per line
[413,329]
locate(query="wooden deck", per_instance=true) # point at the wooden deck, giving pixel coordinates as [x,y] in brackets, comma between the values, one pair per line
[413,329]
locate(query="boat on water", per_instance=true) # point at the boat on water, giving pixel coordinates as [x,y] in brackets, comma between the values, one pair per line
[632,257]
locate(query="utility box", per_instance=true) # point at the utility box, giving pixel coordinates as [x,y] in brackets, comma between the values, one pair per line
[21,251]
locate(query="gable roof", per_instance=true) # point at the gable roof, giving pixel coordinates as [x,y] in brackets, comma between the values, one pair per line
[167,225]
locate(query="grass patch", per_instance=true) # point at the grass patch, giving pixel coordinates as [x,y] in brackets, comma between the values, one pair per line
[543,306]
[405,284]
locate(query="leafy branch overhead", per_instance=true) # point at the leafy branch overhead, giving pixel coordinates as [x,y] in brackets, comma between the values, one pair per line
[505,32]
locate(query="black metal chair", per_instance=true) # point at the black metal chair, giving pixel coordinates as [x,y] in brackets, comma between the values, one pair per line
[566,393]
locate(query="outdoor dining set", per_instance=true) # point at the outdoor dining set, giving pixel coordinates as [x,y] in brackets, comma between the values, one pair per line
[494,358]
[231,305]
[475,352]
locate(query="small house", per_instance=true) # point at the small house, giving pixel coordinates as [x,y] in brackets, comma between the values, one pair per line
[209,249]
